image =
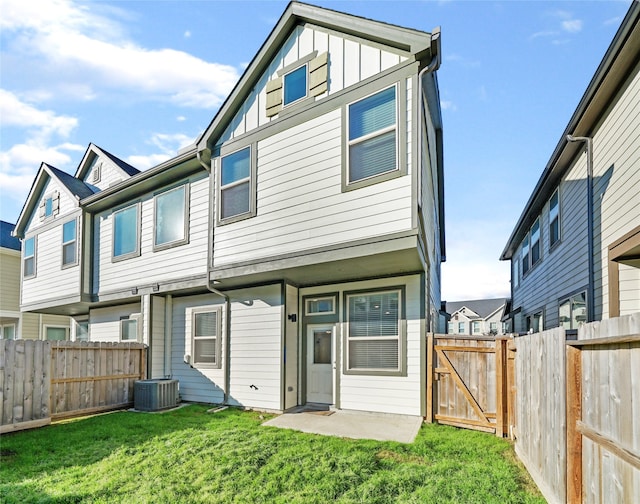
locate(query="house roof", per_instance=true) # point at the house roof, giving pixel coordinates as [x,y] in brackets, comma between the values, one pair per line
[85,164]
[6,238]
[482,307]
[406,39]
[75,188]
[616,65]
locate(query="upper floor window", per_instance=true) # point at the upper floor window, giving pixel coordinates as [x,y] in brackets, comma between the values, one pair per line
[475,327]
[29,258]
[450,328]
[461,328]
[50,205]
[237,187]
[126,232]
[171,222]
[516,272]
[373,143]
[531,247]
[374,332]
[493,327]
[295,85]
[554,218]
[69,248]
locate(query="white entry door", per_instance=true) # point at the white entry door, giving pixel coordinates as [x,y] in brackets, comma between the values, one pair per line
[320,364]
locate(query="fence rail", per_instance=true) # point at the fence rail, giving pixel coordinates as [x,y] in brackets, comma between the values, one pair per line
[45,380]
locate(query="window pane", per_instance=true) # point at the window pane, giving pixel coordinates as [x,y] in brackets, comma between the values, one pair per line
[460,327]
[450,328]
[373,354]
[235,200]
[29,269]
[82,331]
[373,315]
[69,253]
[69,231]
[170,216]
[578,310]
[236,166]
[9,332]
[372,114]
[205,324]
[129,329]
[125,237]
[48,207]
[564,313]
[295,85]
[322,347]
[205,350]
[372,157]
[324,305]
[29,246]
[56,333]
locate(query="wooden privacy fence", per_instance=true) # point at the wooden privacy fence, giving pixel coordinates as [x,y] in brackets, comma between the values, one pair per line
[45,380]
[468,382]
[578,410]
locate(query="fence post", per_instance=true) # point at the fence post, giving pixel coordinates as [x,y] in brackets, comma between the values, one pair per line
[511,389]
[500,345]
[429,412]
[574,415]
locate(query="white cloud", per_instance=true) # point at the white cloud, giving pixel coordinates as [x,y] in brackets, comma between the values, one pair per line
[100,58]
[448,105]
[166,144]
[462,61]
[572,25]
[19,163]
[187,34]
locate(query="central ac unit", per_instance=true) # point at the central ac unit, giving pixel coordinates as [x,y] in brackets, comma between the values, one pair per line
[154,395]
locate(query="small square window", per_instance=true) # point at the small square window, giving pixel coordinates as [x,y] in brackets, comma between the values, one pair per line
[129,328]
[295,85]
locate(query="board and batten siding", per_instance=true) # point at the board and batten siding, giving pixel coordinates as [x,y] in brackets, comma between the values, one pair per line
[300,203]
[52,281]
[616,155]
[351,60]
[175,263]
[104,323]
[562,270]
[256,349]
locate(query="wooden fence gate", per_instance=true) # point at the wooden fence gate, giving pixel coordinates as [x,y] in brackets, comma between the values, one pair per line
[468,382]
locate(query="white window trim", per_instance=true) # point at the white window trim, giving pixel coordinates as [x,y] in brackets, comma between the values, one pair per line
[136,252]
[186,210]
[217,309]
[320,298]
[400,338]
[74,241]
[34,256]
[306,86]
[134,316]
[54,326]
[3,328]
[252,212]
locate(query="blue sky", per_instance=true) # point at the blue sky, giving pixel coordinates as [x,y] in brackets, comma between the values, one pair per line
[143,78]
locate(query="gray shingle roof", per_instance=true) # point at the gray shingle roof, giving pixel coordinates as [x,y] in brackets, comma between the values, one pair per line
[76,186]
[483,307]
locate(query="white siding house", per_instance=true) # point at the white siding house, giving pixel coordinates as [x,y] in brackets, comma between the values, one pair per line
[574,251]
[292,254]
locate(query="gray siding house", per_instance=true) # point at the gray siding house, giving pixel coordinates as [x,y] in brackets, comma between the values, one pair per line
[481,317]
[574,251]
[292,254]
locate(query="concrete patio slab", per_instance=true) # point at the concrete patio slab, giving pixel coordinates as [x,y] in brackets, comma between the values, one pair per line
[351,424]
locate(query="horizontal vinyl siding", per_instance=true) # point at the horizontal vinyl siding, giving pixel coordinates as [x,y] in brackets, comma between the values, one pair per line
[9,281]
[152,267]
[300,203]
[256,349]
[564,269]
[616,147]
[51,280]
[350,61]
[104,323]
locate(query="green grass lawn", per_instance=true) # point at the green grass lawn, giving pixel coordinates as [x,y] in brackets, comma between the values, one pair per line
[189,455]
